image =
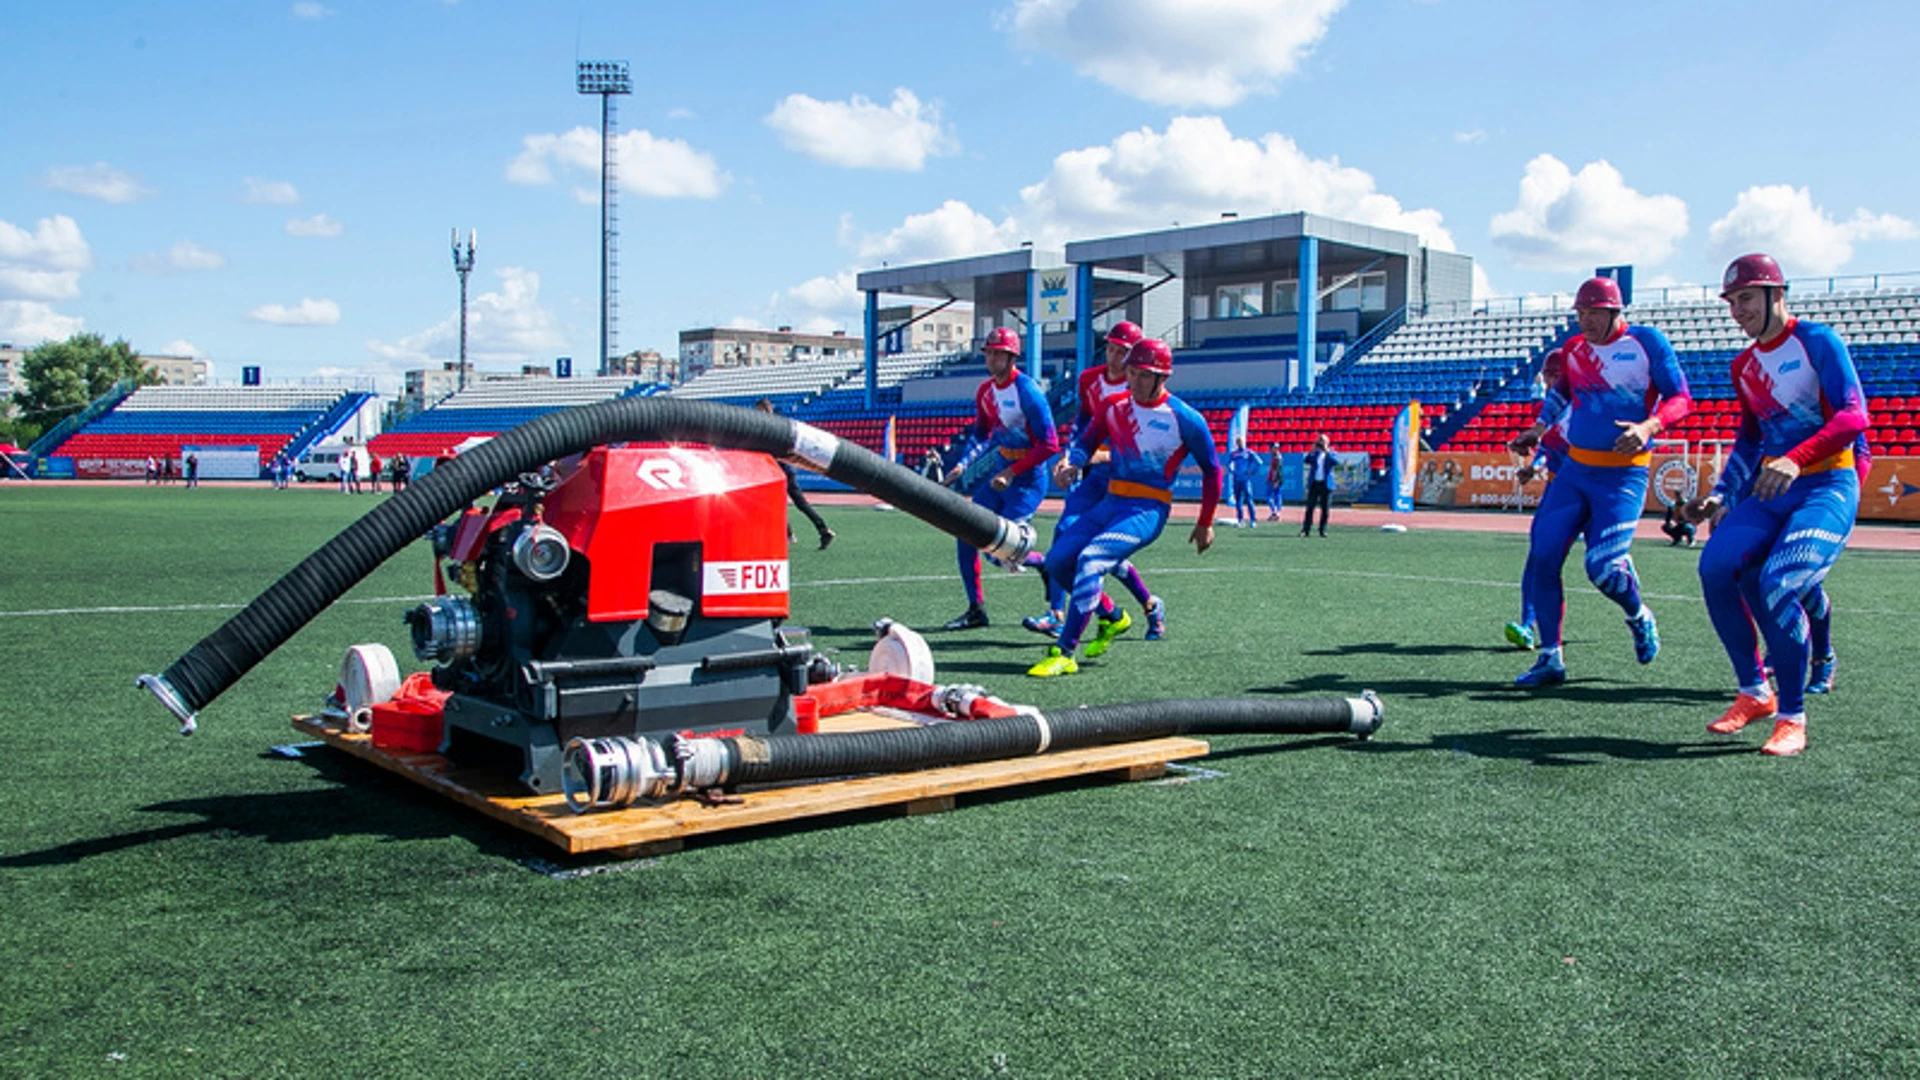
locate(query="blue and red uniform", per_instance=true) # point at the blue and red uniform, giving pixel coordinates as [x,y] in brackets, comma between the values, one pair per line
[1147,444]
[1011,421]
[1800,399]
[1095,392]
[1597,492]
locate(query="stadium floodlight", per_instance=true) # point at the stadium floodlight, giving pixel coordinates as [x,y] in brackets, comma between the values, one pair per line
[463,265]
[607,78]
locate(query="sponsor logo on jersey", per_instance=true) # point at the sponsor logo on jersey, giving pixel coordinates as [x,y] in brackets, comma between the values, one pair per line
[746,576]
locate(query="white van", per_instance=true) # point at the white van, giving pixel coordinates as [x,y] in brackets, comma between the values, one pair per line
[323,463]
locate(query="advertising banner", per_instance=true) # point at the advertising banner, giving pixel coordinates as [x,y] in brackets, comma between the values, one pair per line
[1406,457]
[225,462]
[1892,490]
[111,468]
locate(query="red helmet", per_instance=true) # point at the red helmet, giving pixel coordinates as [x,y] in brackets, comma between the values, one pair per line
[1752,271]
[1601,293]
[1124,334]
[1151,354]
[1003,339]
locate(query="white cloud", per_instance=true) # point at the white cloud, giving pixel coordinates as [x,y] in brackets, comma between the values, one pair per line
[661,168]
[185,256]
[818,305]
[680,112]
[1209,53]
[269,192]
[308,312]
[44,264]
[1196,170]
[1575,221]
[1470,138]
[949,232]
[859,134]
[1783,221]
[306,9]
[506,326]
[27,323]
[181,347]
[97,181]
[317,225]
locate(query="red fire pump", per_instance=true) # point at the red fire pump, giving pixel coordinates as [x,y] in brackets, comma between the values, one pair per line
[633,591]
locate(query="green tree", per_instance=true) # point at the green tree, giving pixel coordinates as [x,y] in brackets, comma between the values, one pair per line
[61,377]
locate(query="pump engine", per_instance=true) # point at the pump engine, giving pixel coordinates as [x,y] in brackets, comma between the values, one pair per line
[631,591]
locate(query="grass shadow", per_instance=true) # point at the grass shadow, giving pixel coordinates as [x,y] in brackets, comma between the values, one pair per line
[367,801]
[1540,748]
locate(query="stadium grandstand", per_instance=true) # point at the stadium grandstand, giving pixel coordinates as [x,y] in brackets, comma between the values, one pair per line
[116,435]
[1389,322]
[492,406]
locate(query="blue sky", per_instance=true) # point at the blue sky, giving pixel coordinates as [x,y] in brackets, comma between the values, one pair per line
[274,183]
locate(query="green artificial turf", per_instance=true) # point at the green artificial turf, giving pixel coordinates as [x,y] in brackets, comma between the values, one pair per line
[1572,882]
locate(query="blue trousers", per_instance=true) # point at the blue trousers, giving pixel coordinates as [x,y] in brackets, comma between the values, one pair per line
[1017,503]
[1081,498]
[1764,558]
[1100,539]
[1601,504]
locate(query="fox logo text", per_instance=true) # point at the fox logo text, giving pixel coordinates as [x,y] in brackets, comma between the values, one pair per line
[750,576]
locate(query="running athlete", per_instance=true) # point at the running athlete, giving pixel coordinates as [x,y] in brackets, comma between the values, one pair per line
[1623,387]
[1011,419]
[1548,456]
[1241,463]
[1793,493]
[1542,452]
[1148,431]
[1097,386]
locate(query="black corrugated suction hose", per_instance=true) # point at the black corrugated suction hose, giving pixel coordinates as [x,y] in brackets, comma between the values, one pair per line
[771,759]
[205,671]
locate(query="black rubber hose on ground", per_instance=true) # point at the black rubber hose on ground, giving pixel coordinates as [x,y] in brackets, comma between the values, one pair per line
[708,762]
[205,671]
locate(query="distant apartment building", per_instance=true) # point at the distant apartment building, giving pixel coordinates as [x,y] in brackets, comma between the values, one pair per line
[425,386]
[646,364]
[713,347]
[177,370]
[12,378]
[938,329]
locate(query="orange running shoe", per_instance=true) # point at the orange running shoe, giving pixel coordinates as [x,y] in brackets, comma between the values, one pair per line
[1788,739]
[1746,709]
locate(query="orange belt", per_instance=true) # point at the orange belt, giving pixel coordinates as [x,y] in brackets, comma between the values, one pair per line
[1127,489]
[1841,460]
[1011,454]
[1609,459]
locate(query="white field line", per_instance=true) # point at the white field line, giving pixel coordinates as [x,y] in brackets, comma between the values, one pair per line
[987,576]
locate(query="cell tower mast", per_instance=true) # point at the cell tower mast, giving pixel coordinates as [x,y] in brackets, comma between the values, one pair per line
[607,78]
[463,265]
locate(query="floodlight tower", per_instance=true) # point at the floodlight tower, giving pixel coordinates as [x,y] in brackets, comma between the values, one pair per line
[607,78]
[463,265]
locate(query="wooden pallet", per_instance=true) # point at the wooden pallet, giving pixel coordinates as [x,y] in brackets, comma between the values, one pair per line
[653,830]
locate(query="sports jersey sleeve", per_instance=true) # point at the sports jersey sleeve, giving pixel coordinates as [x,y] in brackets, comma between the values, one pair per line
[1669,381]
[977,435]
[1089,439]
[1841,398]
[1197,441]
[1553,372]
[1043,438]
[1089,401]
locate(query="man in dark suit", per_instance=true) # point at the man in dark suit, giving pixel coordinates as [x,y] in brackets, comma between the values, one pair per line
[1316,469]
